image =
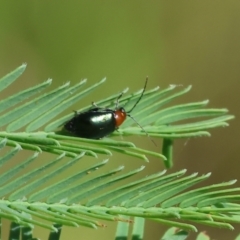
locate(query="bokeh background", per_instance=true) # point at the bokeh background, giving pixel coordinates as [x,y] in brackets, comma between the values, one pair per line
[173,42]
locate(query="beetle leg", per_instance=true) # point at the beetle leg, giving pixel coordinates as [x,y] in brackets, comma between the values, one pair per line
[75,113]
[94,105]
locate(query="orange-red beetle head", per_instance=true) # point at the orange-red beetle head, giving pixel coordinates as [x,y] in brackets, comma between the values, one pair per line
[120,116]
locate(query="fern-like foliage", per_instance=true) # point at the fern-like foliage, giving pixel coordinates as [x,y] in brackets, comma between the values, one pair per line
[80,200]
[31,124]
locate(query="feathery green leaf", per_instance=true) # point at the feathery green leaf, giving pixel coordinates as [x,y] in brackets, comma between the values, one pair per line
[84,196]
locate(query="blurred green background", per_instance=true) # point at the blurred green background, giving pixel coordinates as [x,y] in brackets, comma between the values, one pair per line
[173,42]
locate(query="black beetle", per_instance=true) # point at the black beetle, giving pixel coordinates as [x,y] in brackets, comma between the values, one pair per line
[97,122]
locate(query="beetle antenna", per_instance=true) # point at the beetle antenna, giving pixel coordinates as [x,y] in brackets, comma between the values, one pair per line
[142,129]
[117,102]
[140,96]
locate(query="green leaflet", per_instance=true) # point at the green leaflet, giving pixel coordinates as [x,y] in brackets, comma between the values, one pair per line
[58,190]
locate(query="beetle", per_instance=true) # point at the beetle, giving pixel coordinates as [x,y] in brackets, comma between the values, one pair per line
[98,122]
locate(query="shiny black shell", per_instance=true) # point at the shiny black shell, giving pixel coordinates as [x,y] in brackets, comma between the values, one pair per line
[95,123]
